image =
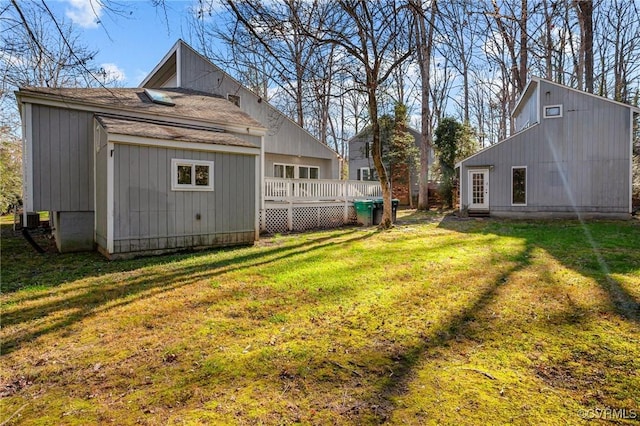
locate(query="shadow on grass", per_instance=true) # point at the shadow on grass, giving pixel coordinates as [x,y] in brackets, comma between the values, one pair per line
[23,268]
[108,291]
[593,250]
[596,249]
[454,328]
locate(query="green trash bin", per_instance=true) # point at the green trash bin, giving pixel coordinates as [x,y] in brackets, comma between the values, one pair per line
[378,207]
[364,212]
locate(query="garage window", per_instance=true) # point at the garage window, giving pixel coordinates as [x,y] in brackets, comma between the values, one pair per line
[191,175]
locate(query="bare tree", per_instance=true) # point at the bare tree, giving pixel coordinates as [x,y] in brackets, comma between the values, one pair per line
[584,10]
[463,31]
[365,31]
[281,30]
[618,49]
[35,51]
[425,27]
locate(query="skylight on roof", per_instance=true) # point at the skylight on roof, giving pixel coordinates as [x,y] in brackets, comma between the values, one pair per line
[158,97]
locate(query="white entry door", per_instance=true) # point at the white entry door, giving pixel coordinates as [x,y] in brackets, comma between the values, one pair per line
[479,189]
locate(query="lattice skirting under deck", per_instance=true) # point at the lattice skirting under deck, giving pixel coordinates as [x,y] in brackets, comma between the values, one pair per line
[296,217]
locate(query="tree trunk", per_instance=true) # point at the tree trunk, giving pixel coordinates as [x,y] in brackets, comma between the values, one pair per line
[585,19]
[524,49]
[386,221]
[424,47]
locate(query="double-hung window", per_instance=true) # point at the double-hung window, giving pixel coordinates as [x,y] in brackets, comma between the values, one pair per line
[191,175]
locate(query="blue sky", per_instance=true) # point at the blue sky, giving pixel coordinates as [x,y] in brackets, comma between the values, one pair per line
[130,44]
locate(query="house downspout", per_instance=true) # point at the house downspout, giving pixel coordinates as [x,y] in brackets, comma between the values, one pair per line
[632,116]
[27,160]
[110,196]
[260,212]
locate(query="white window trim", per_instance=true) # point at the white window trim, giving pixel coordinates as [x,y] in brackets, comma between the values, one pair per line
[526,181]
[284,165]
[175,186]
[546,107]
[368,169]
[309,168]
[296,170]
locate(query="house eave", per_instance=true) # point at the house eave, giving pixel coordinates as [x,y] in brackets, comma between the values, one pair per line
[157,68]
[55,101]
[125,139]
[602,98]
[460,163]
[182,44]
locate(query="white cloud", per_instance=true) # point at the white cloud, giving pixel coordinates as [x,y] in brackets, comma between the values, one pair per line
[113,73]
[85,13]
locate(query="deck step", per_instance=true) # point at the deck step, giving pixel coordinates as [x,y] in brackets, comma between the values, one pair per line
[478,213]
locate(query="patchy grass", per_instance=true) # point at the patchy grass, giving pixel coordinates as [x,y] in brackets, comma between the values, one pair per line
[433,322]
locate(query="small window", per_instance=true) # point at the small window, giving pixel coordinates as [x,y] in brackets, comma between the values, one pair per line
[553,111]
[191,175]
[234,99]
[365,173]
[519,186]
[367,149]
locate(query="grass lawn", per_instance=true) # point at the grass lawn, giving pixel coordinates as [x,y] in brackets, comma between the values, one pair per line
[464,322]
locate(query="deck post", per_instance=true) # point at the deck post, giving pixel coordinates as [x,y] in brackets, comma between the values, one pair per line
[290,216]
[345,196]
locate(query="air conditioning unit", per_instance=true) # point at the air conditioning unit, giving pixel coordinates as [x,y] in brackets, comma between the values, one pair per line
[33,220]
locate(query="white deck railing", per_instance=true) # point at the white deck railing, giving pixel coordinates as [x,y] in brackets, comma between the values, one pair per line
[292,190]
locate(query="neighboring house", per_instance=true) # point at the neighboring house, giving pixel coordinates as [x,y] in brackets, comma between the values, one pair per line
[361,165]
[289,150]
[137,171]
[571,156]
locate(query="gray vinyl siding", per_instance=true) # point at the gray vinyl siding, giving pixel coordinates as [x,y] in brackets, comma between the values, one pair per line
[358,158]
[579,162]
[284,137]
[357,155]
[62,159]
[150,216]
[101,188]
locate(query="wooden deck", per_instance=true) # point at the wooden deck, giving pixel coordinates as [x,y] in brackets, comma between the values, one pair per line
[303,204]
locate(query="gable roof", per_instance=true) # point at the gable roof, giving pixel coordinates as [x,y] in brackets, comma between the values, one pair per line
[190,105]
[168,66]
[534,81]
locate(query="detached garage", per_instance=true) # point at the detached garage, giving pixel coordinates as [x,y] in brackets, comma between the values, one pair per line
[150,171]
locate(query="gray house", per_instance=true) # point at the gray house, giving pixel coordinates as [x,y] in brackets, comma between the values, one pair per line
[141,171]
[289,150]
[571,156]
[361,165]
